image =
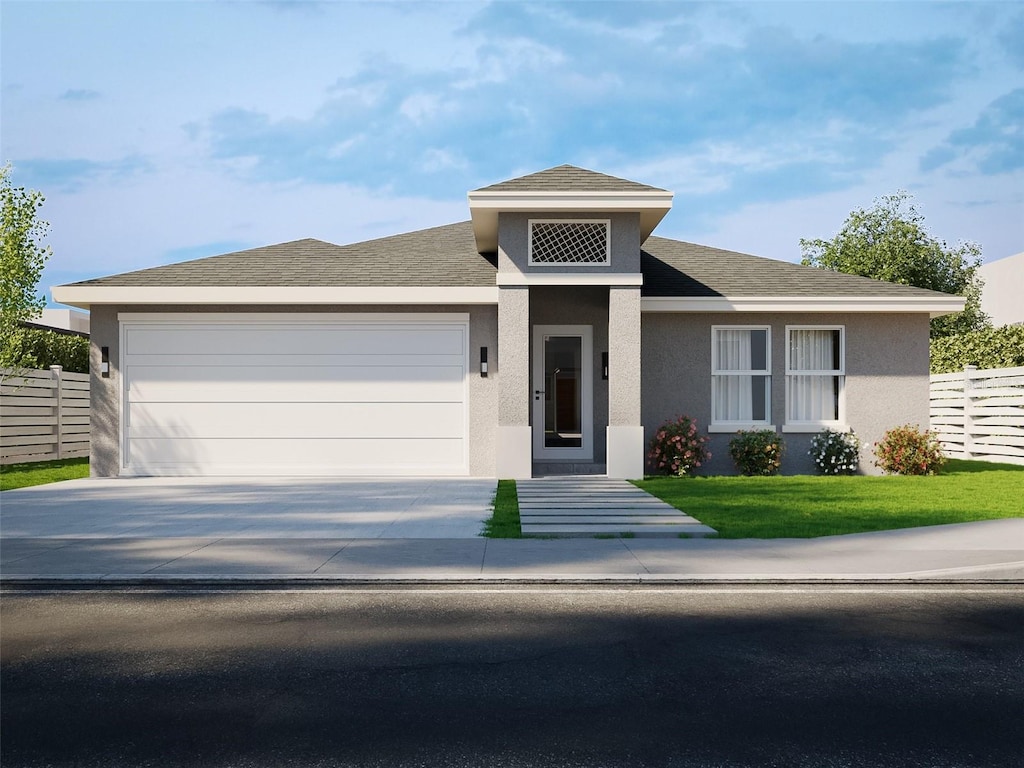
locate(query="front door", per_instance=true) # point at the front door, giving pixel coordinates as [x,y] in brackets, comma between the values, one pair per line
[563,392]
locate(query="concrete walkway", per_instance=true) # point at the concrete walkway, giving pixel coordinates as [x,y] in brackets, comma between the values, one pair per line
[591,506]
[982,551]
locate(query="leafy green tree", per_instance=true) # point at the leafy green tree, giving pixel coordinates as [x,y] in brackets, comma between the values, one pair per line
[21,264]
[989,348]
[889,242]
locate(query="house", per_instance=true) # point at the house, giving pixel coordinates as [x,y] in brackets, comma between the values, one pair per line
[553,332]
[1002,290]
[65,321]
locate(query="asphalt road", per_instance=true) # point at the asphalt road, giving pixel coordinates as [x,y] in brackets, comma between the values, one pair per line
[512,677]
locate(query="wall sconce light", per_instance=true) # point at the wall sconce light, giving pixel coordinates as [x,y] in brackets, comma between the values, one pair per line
[604,366]
[483,362]
[105,362]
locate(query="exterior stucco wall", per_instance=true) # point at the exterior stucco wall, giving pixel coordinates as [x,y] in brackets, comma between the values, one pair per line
[514,236]
[483,392]
[886,376]
[104,421]
[575,305]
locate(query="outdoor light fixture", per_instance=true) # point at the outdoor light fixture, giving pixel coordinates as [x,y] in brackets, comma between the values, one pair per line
[483,362]
[105,362]
[604,366]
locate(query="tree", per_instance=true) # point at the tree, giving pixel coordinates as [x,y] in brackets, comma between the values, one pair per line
[21,264]
[889,242]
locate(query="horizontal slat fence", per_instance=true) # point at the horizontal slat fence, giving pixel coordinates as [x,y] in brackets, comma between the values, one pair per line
[44,415]
[979,413]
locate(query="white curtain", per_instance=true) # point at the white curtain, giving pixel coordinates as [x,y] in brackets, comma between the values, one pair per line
[812,397]
[733,401]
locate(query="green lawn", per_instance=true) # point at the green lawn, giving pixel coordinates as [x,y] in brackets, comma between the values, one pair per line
[504,523]
[42,472]
[806,506]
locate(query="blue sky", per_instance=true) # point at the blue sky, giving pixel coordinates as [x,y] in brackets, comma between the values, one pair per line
[162,131]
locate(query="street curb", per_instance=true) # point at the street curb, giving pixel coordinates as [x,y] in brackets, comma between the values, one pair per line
[257,582]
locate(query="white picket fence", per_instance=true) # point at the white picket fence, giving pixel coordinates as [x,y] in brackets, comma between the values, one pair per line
[44,415]
[979,413]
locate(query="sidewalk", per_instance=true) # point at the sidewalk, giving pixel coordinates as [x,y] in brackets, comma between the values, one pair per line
[991,550]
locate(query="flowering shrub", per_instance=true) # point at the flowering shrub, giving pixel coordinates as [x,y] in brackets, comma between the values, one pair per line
[908,451]
[677,449]
[835,453]
[758,452]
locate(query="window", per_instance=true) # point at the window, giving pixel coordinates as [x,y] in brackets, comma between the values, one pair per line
[579,243]
[815,374]
[741,376]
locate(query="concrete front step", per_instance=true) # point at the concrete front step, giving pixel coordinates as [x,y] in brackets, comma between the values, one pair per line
[639,531]
[629,520]
[598,507]
[603,512]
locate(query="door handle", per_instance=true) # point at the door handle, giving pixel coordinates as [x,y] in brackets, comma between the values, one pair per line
[537,393]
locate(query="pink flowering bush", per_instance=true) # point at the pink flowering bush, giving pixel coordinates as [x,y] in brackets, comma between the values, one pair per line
[907,450]
[677,448]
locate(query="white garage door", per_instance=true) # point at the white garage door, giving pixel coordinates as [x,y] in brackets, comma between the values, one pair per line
[248,394]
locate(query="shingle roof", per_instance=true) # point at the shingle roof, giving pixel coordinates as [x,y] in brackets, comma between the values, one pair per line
[676,268]
[568,178]
[445,256]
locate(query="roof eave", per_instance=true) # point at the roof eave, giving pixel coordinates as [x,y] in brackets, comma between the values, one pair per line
[936,306]
[85,296]
[484,207]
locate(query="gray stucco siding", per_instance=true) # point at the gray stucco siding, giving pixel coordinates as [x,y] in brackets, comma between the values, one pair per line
[514,236]
[105,392]
[886,376]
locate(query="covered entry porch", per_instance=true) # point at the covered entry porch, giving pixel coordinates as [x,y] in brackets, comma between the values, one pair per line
[569,389]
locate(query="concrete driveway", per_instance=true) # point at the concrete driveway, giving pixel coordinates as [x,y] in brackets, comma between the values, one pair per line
[278,508]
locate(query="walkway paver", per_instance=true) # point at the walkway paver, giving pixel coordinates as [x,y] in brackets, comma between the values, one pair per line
[594,506]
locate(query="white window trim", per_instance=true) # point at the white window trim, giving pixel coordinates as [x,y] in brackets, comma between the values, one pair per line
[839,425]
[562,264]
[736,426]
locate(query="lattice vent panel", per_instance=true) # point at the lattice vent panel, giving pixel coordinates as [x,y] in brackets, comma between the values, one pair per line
[569,242]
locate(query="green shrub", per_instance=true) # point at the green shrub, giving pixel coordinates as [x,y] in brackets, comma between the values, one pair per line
[38,348]
[990,348]
[835,453]
[676,448]
[758,452]
[907,450]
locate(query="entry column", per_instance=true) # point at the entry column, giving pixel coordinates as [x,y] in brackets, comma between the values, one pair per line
[514,449]
[625,433]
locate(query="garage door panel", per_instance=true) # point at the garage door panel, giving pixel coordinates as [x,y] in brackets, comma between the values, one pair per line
[225,398]
[296,456]
[225,384]
[297,420]
[271,339]
[292,360]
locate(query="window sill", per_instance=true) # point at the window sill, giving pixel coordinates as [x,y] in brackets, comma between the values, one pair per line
[835,426]
[725,428]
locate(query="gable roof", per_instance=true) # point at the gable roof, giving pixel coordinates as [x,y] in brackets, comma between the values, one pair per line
[442,265]
[677,268]
[439,256]
[568,178]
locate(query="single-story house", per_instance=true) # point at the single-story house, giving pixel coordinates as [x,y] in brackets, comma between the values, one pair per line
[552,332]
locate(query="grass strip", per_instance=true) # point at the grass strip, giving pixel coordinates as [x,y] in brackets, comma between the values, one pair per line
[42,472]
[807,506]
[504,523]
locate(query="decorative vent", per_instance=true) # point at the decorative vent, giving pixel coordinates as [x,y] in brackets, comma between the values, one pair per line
[569,242]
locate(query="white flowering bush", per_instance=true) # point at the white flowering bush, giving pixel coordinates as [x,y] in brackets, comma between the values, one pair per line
[835,453]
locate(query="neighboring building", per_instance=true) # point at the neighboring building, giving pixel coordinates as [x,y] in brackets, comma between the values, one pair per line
[1002,297]
[62,321]
[552,332]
